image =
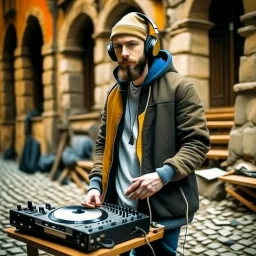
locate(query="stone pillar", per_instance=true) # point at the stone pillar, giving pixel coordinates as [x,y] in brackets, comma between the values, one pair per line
[71,82]
[23,93]
[103,69]
[189,45]
[50,115]
[7,106]
[243,135]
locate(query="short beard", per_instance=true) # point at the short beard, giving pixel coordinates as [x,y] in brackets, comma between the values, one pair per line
[126,73]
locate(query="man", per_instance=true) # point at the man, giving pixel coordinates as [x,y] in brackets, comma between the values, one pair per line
[152,137]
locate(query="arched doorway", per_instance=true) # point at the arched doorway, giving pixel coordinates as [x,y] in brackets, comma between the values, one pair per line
[226,47]
[33,41]
[79,50]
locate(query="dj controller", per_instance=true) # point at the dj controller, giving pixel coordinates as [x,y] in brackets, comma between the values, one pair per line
[81,227]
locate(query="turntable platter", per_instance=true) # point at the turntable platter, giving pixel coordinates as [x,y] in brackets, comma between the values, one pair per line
[77,214]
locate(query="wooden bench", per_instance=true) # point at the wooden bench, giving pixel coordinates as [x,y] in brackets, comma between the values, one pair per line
[242,186]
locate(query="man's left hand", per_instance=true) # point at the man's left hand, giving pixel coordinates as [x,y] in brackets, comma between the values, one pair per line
[144,186]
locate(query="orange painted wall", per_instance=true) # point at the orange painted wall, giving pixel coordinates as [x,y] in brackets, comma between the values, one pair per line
[23,7]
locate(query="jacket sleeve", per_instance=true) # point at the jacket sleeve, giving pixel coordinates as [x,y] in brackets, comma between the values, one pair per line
[193,139]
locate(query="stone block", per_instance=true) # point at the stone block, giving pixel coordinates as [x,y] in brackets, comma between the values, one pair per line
[249,44]
[192,65]
[247,69]
[73,100]
[195,41]
[23,74]
[24,105]
[19,136]
[49,105]
[103,73]
[49,92]
[235,145]
[72,82]
[24,88]
[100,50]
[249,149]
[71,65]
[48,62]
[248,110]
[47,77]
[21,63]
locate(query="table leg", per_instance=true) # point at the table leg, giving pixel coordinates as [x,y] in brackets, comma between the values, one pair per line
[32,251]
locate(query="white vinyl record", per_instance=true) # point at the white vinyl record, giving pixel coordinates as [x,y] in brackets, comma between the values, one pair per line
[70,214]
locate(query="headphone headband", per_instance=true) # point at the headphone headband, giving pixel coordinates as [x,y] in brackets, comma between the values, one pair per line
[151,22]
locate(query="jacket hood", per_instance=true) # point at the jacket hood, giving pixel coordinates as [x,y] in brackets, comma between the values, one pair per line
[160,65]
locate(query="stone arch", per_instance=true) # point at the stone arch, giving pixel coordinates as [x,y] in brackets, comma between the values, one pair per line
[196,9]
[107,19]
[78,8]
[76,44]
[38,13]
[113,11]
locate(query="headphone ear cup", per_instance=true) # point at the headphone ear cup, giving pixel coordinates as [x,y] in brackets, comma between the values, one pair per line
[150,46]
[111,52]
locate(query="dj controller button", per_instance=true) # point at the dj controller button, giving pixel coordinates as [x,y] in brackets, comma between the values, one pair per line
[113,224]
[92,241]
[102,235]
[100,227]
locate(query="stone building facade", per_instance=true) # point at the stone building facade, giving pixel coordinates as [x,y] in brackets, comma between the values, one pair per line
[53,61]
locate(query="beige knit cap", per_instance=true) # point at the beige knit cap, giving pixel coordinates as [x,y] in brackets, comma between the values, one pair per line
[130,24]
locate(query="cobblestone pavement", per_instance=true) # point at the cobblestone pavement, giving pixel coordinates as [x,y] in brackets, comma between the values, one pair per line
[224,228]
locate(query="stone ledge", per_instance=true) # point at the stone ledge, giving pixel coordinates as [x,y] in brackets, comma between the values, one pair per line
[245,87]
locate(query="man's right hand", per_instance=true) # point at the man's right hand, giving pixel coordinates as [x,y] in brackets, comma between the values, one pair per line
[92,199]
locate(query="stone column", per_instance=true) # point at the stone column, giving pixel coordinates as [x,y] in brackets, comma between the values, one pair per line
[50,115]
[188,44]
[23,93]
[103,69]
[7,106]
[71,82]
[243,135]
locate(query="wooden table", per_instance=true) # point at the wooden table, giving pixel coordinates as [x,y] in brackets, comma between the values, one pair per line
[35,243]
[246,184]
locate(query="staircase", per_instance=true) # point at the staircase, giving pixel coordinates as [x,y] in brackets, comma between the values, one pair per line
[219,122]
